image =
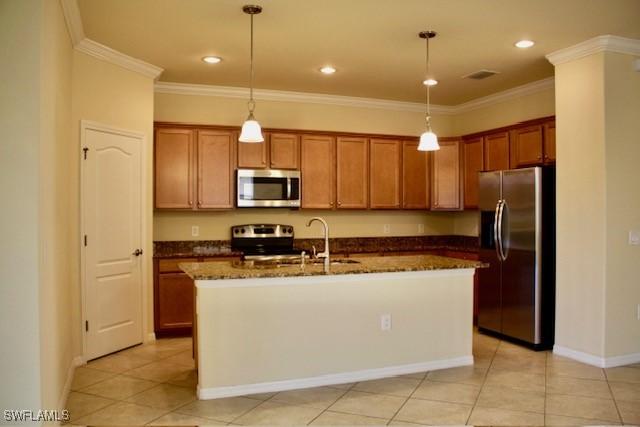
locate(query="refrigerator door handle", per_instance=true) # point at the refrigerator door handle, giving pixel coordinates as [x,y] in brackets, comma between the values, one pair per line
[497,229]
[504,253]
[499,247]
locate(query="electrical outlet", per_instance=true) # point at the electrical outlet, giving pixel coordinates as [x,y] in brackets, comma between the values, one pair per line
[421,228]
[386,228]
[195,231]
[634,237]
[385,322]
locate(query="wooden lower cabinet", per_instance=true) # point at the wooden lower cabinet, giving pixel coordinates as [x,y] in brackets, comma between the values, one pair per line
[173,296]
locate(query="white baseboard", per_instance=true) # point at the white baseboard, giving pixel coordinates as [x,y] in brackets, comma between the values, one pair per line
[75,362]
[151,336]
[331,379]
[600,362]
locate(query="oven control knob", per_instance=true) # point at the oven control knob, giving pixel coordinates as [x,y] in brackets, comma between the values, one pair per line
[242,230]
[290,230]
[236,231]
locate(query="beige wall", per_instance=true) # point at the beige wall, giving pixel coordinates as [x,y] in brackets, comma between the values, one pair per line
[113,96]
[580,202]
[57,152]
[598,202]
[215,226]
[532,106]
[285,324]
[622,127]
[20,91]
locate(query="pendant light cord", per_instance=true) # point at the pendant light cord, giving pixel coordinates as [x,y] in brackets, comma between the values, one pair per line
[428,99]
[251,104]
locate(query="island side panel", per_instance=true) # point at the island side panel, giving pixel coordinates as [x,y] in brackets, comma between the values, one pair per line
[304,328]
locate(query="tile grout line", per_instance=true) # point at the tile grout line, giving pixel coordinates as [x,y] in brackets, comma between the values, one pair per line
[347,390]
[408,397]
[615,402]
[484,380]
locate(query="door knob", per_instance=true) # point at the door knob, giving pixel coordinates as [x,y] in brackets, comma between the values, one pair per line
[137,252]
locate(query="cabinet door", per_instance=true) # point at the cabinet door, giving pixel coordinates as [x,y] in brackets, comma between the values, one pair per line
[473,163]
[415,177]
[384,173]
[496,151]
[317,168]
[284,151]
[253,155]
[446,177]
[173,168]
[550,142]
[175,301]
[352,157]
[526,148]
[215,169]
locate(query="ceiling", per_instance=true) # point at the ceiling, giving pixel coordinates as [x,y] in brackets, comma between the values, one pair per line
[374,44]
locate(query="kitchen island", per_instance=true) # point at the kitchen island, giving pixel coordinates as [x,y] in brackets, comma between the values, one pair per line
[279,327]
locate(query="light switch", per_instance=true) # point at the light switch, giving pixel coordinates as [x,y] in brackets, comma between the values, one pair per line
[195,231]
[634,237]
[386,228]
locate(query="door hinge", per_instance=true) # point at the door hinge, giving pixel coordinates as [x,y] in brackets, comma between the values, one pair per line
[86,325]
[84,150]
[85,240]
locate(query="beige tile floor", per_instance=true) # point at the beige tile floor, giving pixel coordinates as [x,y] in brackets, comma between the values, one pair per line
[154,384]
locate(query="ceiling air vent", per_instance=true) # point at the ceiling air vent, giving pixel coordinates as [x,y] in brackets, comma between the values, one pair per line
[481,74]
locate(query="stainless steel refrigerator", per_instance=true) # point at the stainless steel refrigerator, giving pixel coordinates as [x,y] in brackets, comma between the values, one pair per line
[516,296]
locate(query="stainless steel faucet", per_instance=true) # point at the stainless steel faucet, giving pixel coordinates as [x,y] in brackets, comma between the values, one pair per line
[324,254]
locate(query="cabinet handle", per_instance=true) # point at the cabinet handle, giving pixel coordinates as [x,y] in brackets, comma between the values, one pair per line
[339,203]
[331,204]
[190,202]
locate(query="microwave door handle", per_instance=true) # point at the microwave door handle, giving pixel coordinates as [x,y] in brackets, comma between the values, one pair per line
[495,229]
[288,188]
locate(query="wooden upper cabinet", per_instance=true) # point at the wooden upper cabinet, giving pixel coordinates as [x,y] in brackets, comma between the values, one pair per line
[284,151]
[526,146]
[415,176]
[253,155]
[496,151]
[446,188]
[317,161]
[215,169]
[384,173]
[174,157]
[473,150]
[352,158]
[550,142]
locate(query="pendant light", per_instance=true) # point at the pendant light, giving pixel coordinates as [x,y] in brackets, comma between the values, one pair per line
[251,131]
[428,140]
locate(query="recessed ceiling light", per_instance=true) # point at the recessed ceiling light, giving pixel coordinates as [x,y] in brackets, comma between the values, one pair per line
[523,44]
[327,70]
[212,59]
[430,82]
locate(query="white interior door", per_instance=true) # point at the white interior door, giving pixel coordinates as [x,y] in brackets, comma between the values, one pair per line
[112,239]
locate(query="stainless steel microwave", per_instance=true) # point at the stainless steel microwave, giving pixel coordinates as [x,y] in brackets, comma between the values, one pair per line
[268,188]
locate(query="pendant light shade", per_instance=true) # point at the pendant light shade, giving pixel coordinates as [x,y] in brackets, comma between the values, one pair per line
[428,140]
[251,130]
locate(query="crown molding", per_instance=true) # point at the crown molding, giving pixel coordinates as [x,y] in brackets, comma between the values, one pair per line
[606,43]
[348,101]
[506,95]
[105,53]
[72,17]
[290,96]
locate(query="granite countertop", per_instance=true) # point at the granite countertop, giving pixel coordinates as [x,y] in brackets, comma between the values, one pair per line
[238,270]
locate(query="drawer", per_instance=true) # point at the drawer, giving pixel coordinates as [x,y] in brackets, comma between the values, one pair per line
[171,265]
